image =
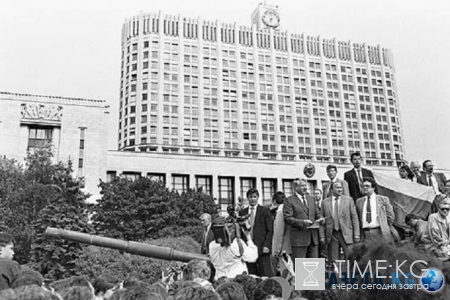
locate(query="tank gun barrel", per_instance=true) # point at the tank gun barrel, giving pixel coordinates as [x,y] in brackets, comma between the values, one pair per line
[137,248]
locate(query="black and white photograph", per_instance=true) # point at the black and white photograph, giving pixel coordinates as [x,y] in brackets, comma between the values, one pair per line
[206,149]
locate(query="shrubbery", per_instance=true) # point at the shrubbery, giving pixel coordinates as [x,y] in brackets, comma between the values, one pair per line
[42,193]
[142,209]
[96,260]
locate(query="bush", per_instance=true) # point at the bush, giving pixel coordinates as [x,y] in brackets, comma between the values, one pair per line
[142,209]
[96,260]
[40,194]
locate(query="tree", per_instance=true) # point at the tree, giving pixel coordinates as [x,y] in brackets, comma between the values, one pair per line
[142,209]
[38,195]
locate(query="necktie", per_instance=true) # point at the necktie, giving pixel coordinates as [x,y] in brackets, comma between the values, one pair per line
[336,214]
[252,219]
[252,215]
[205,236]
[359,180]
[369,211]
[430,183]
[304,200]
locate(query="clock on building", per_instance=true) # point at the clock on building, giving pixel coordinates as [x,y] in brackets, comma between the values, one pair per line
[271,18]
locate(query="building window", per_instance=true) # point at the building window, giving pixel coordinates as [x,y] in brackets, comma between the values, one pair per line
[269,187]
[180,183]
[39,137]
[81,155]
[204,183]
[288,187]
[246,184]
[131,175]
[110,176]
[226,191]
[157,177]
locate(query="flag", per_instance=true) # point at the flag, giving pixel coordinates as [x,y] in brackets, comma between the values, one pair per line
[406,197]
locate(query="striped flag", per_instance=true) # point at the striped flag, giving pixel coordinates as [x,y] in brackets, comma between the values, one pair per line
[406,197]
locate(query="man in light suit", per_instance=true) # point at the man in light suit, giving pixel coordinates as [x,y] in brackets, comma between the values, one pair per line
[208,235]
[261,232]
[332,174]
[300,212]
[375,214]
[342,224]
[355,176]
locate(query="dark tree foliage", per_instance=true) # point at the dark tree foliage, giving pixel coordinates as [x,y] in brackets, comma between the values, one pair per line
[40,194]
[142,209]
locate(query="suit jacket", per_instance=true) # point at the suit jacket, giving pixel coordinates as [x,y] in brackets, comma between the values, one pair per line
[385,214]
[440,178]
[205,243]
[352,179]
[327,191]
[281,241]
[295,212]
[348,218]
[262,227]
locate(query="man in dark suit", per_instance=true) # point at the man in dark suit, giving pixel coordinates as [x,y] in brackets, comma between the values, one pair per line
[436,180]
[300,211]
[332,174]
[341,224]
[376,215]
[208,235]
[415,168]
[261,232]
[355,176]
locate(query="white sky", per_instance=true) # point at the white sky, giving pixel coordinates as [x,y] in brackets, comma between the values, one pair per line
[72,48]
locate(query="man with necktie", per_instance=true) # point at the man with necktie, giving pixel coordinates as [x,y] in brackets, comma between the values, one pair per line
[355,176]
[300,211]
[208,235]
[261,232]
[341,225]
[435,180]
[332,174]
[375,214]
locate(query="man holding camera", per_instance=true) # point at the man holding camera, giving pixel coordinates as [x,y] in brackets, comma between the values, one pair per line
[261,223]
[228,252]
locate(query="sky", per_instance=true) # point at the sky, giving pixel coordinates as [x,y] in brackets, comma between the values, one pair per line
[72,49]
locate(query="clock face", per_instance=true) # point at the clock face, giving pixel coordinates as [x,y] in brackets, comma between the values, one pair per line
[271,18]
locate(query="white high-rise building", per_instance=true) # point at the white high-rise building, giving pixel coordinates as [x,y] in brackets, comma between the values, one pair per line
[193,86]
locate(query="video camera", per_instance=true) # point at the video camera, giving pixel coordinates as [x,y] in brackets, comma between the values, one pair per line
[227,229]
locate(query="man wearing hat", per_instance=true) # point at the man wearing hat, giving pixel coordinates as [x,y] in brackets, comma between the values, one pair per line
[437,237]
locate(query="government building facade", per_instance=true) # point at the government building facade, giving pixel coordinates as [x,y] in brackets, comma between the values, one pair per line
[226,107]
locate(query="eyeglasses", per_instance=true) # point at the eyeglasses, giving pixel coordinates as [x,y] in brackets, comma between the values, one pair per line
[445,209]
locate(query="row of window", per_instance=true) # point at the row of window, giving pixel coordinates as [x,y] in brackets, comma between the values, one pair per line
[226,185]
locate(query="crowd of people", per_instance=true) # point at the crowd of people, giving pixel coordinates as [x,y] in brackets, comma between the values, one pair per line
[253,250]
[344,214]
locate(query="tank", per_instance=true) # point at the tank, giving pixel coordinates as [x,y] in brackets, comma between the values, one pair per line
[142,249]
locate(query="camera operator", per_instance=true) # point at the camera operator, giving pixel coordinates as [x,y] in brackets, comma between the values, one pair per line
[228,252]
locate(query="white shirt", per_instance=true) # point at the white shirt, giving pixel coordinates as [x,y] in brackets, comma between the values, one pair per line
[226,260]
[434,183]
[301,198]
[373,206]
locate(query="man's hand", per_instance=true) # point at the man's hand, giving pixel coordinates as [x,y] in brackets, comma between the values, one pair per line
[322,241]
[357,239]
[307,222]
[266,250]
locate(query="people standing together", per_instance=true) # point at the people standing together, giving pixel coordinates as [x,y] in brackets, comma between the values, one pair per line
[330,221]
